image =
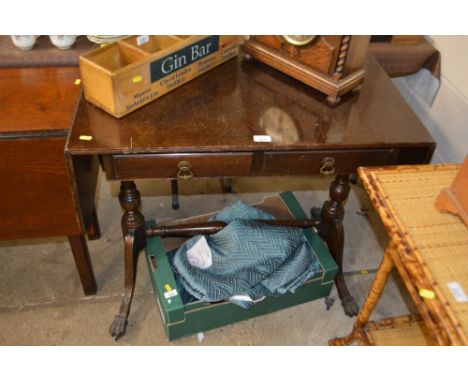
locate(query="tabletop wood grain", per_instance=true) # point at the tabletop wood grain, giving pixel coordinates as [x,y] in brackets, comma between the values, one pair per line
[33,100]
[225,108]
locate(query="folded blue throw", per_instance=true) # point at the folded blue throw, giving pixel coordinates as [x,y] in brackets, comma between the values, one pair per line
[246,261]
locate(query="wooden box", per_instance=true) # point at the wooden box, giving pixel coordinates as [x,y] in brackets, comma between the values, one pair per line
[183,320]
[125,75]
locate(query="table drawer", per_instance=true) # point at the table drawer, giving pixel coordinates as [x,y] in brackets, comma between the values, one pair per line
[179,165]
[325,162]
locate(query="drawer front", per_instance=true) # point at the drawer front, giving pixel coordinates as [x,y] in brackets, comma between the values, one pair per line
[186,165]
[325,162]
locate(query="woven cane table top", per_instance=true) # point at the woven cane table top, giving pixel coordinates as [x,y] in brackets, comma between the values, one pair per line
[404,197]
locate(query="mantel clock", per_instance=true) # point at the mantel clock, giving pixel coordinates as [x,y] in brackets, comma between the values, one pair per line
[330,64]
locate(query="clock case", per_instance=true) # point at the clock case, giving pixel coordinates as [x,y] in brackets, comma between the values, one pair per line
[330,64]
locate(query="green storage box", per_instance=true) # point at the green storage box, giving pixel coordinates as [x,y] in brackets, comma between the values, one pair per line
[184,320]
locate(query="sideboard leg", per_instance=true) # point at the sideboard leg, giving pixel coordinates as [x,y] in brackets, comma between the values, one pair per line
[83,263]
[331,230]
[133,228]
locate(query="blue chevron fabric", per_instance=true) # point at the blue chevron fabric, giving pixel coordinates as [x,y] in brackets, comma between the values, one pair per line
[246,261]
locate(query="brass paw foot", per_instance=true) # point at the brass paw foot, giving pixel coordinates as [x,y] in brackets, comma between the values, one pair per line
[350,307]
[117,328]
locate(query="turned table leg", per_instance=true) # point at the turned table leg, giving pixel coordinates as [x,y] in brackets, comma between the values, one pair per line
[331,230]
[133,229]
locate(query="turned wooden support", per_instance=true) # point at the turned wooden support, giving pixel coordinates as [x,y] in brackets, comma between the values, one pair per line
[333,209]
[212,227]
[331,230]
[133,228]
[129,198]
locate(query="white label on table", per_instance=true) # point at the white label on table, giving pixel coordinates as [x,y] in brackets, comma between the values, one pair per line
[142,39]
[200,254]
[457,291]
[262,138]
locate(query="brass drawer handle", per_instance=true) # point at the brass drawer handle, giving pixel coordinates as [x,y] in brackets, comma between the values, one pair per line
[185,170]
[328,166]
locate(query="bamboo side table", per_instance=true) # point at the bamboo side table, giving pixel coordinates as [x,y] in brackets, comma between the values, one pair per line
[429,250]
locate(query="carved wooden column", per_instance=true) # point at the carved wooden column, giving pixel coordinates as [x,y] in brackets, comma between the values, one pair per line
[331,230]
[340,65]
[133,229]
[129,198]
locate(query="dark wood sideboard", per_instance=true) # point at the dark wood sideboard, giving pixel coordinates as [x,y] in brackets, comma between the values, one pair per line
[38,197]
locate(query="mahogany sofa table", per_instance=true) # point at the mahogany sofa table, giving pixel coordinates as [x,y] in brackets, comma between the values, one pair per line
[209,128]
